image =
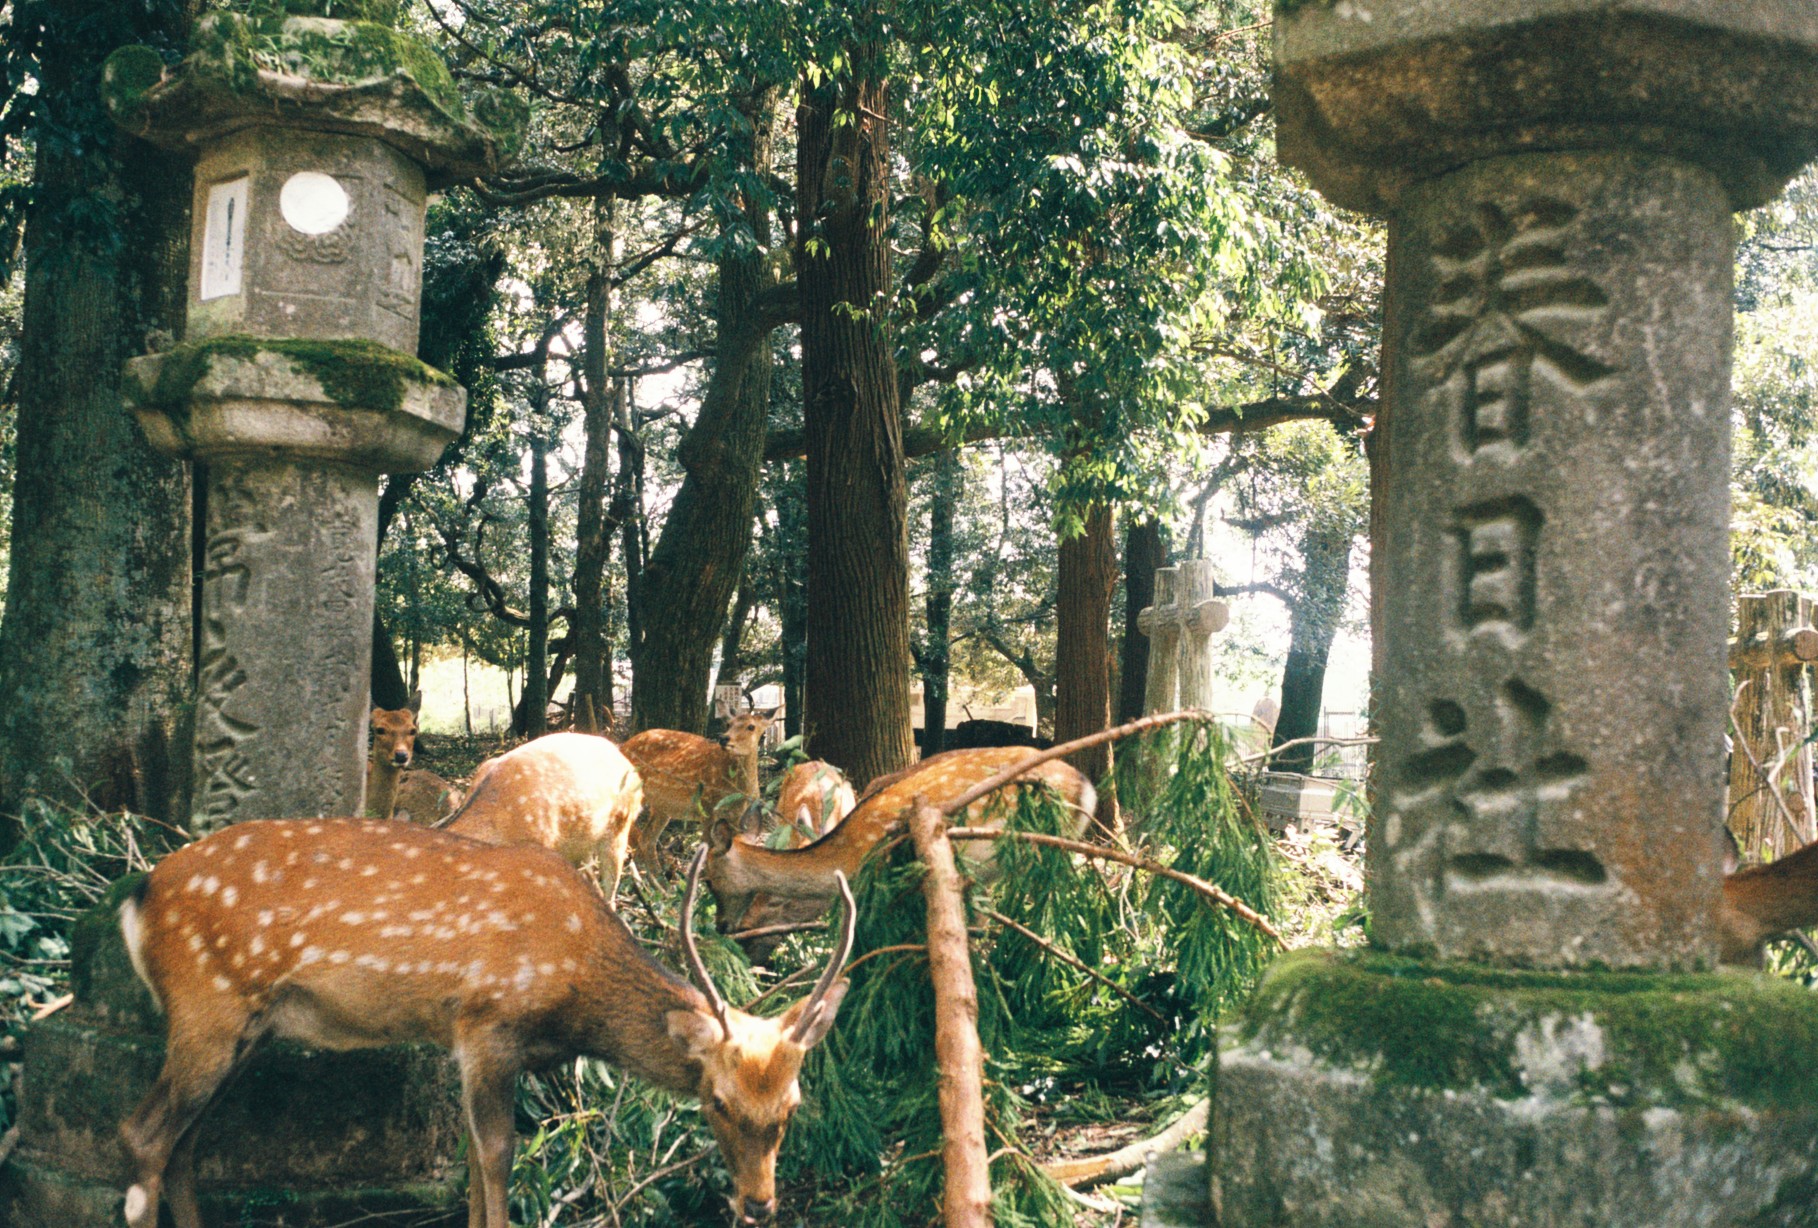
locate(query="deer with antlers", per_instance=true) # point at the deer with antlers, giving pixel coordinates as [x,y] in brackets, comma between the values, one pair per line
[683,772]
[757,887]
[347,934]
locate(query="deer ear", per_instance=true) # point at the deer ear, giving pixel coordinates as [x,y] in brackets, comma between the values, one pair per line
[415,702]
[1732,853]
[821,1022]
[697,1035]
[375,714]
[720,835]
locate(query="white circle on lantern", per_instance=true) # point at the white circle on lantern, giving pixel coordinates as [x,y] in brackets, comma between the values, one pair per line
[312,202]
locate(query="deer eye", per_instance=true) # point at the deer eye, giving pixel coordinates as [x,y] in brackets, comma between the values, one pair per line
[718,1106]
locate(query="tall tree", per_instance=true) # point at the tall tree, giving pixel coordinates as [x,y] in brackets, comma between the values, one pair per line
[700,553]
[858,546]
[96,641]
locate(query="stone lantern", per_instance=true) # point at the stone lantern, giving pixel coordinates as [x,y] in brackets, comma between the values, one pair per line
[1538,1036]
[296,386]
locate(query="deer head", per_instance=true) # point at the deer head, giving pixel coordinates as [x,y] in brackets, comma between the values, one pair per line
[394,733]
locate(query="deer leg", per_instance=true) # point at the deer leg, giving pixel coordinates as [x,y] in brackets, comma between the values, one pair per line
[488,1080]
[162,1128]
[476,1185]
[180,1180]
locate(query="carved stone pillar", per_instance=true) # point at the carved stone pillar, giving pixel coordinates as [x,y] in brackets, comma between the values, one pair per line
[1552,599]
[1181,625]
[297,387]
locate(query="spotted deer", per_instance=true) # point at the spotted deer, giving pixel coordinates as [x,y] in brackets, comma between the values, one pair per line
[393,788]
[814,798]
[574,793]
[756,887]
[354,933]
[1765,901]
[683,772]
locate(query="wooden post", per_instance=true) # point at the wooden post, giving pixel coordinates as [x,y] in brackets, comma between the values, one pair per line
[1181,623]
[966,1192]
[1773,718]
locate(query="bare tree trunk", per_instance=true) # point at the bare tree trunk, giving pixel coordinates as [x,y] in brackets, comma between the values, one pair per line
[936,657]
[958,1055]
[535,714]
[1144,554]
[1082,649]
[696,564]
[858,541]
[592,654]
[628,513]
[96,646]
[1312,627]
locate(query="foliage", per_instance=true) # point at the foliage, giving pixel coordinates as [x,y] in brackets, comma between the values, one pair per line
[1049,1029]
[62,866]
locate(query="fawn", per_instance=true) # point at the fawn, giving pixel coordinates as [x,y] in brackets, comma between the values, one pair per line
[418,795]
[814,798]
[683,771]
[354,933]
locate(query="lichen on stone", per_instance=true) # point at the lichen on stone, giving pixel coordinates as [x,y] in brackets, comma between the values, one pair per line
[1624,1039]
[127,74]
[353,374]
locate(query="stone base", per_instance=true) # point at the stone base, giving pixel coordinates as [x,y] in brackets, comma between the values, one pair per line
[1369,1089]
[299,1139]
[1288,798]
[1174,1191]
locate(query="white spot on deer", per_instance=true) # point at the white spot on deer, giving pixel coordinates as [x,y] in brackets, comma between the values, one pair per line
[257,945]
[546,969]
[289,833]
[309,884]
[223,984]
[574,922]
[239,960]
[396,931]
[314,829]
[568,965]
[413,852]
[373,962]
[397,846]
[417,880]
[243,841]
[208,850]
[229,895]
[194,883]
[346,863]
[310,955]
[259,872]
[422,914]
[369,871]
[353,917]
[497,888]
[195,942]
[220,941]
[339,957]
[265,916]
[298,939]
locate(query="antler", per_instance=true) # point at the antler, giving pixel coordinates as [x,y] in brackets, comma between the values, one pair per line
[841,954]
[695,963]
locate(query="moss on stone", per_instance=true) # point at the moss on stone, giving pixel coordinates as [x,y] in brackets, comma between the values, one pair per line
[93,927]
[1623,1039]
[352,374]
[230,48]
[126,76]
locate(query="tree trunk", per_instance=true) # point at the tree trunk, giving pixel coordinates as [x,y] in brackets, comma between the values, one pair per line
[936,656]
[857,686]
[701,552]
[1082,648]
[1144,554]
[96,646]
[732,643]
[592,655]
[535,716]
[792,564]
[628,513]
[1312,627]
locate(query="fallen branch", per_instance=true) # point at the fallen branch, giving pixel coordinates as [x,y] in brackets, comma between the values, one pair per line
[1088,1171]
[1075,962]
[1216,895]
[958,1055]
[783,927]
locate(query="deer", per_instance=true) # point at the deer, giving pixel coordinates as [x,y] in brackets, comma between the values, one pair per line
[1765,901]
[574,793]
[682,771]
[757,887]
[814,798]
[355,933]
[417,795]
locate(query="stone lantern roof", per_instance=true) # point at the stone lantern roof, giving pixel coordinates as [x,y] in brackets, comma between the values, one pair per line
[320,73]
